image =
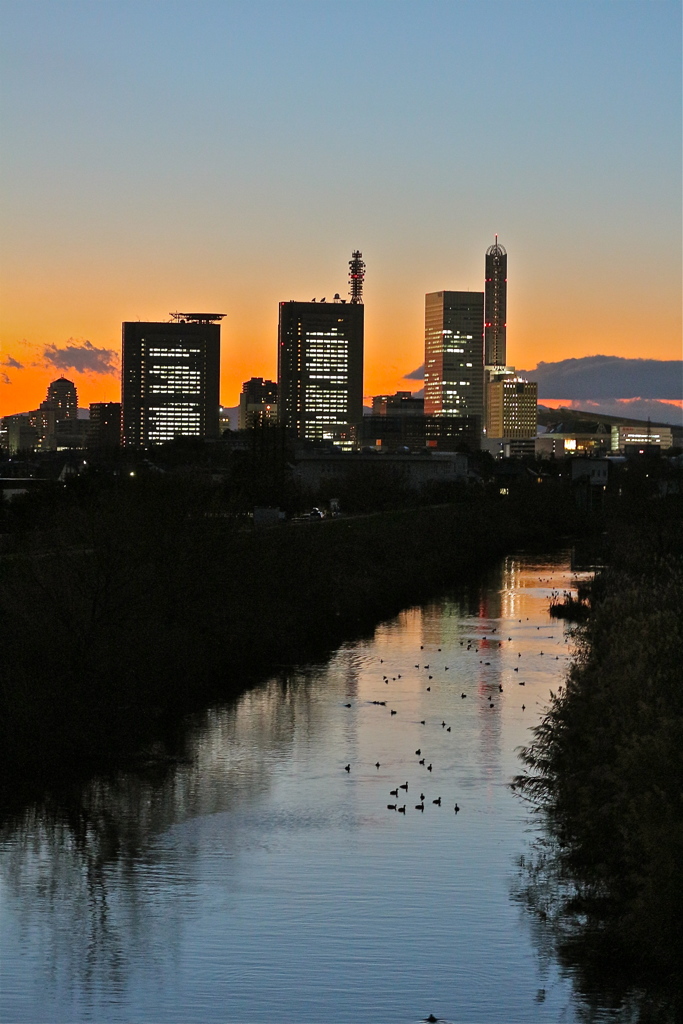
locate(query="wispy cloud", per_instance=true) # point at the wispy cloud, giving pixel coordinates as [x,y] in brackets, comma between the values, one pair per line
[12,363]
[83,357]
[4,379]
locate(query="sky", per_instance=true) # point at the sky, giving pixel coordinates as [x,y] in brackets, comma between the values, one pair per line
[223,156]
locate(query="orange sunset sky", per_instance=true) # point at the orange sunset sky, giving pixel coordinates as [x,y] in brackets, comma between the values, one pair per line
[219,157]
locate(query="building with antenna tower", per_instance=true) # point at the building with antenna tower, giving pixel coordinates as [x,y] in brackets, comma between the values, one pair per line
[356,277]
[320,363]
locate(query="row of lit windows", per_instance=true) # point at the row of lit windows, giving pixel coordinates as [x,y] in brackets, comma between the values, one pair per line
[173,353]
[188,409]
[188,376]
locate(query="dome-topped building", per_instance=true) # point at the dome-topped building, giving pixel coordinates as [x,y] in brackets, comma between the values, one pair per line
[62,395]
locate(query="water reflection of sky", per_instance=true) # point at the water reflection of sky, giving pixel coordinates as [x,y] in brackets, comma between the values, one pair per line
[260,881]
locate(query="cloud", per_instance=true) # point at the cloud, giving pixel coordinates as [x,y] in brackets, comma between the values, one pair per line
[417,374]
[635,408]
[83,357]
[4,379]
[598,377]
[12,364]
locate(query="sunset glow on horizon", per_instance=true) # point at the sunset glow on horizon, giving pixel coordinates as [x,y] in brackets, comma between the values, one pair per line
[229,157]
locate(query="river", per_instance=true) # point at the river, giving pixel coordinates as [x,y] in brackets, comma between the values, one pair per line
[266,877]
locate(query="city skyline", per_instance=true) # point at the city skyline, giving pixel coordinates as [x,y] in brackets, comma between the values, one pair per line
[396,136]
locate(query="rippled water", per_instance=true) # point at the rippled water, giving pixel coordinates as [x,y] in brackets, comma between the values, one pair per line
[259,881]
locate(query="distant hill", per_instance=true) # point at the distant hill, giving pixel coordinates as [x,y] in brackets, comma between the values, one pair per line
[576,419]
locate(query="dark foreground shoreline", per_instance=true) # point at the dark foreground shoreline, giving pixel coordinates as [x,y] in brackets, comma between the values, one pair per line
[122,614]
[605,769]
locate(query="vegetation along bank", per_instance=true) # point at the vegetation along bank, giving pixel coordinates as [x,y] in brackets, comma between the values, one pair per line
[605,769]
[124,606]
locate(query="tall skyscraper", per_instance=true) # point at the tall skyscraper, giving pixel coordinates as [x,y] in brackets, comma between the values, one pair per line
[495,305]
[320,363]
[454,354]
[170,378]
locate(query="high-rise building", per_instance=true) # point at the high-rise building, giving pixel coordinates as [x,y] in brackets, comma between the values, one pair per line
[454,354]
[170,378]
[258,403]
[63,397]
[495,305]
[320,363]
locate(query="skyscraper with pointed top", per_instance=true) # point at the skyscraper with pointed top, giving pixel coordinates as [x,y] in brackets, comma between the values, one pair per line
[495,305]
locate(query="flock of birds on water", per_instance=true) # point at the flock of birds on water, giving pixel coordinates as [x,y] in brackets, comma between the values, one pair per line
[400,792]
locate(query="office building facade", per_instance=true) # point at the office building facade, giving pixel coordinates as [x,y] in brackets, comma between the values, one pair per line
[454,354]
[320,368]
[170,379]
[511,407]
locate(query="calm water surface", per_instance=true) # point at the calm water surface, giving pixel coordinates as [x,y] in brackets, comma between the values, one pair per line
[259,881]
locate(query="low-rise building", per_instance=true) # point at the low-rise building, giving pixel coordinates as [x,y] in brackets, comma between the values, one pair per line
[641,440]
[403,403]
[561,440]
[414,431]
[312,469]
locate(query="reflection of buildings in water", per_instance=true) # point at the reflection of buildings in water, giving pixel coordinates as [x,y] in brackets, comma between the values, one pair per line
[510,594]
[525,584]
[490,600]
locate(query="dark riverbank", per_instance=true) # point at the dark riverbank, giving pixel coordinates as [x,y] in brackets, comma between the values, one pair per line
[124,609]
[606,770]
